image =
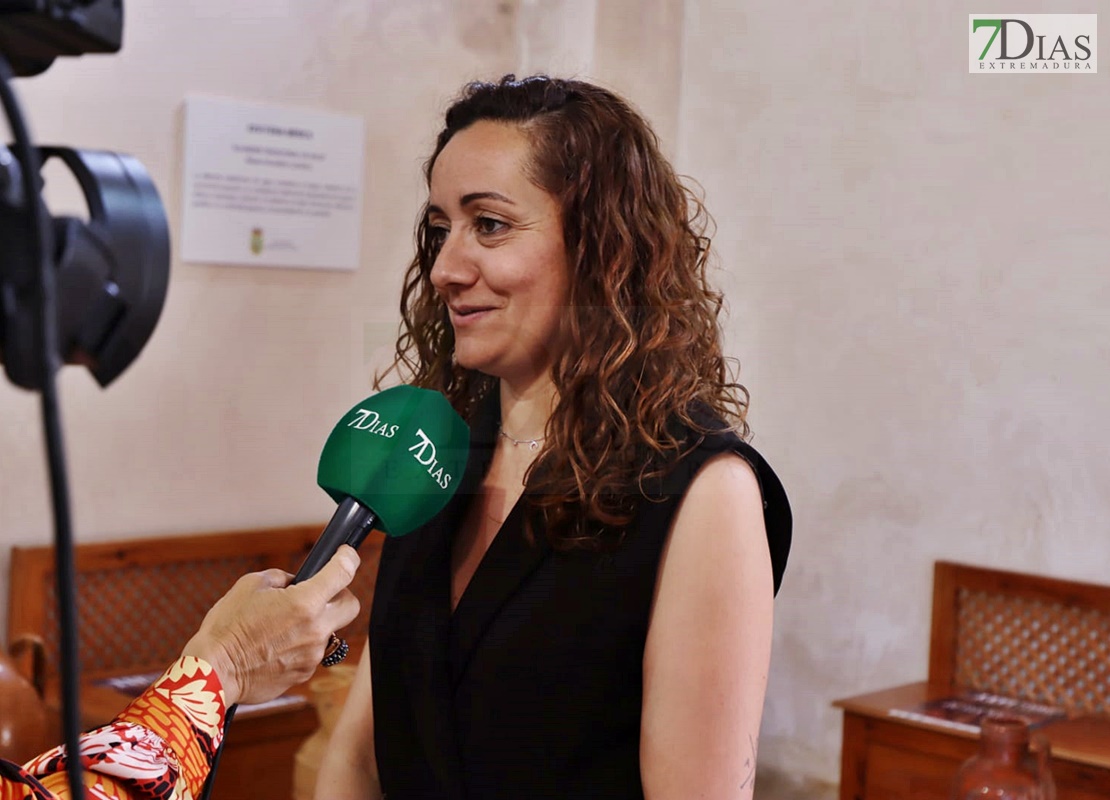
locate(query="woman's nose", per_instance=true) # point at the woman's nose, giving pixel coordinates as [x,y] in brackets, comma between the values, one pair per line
[453,263]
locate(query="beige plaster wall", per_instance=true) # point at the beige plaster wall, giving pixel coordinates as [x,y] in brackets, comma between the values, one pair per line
[916,263]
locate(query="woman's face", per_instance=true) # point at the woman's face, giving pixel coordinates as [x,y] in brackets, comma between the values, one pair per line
[502,268]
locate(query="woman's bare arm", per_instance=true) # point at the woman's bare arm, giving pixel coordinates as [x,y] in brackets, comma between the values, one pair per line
[709,642]
[349,769]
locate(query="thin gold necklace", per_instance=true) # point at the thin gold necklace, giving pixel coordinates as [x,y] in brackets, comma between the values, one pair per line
[533,444]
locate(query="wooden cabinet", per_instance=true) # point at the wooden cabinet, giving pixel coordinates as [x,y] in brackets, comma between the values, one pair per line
[884,757]
[1006,635]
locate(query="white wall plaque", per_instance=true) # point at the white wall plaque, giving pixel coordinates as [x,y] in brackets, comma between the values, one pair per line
[271,186]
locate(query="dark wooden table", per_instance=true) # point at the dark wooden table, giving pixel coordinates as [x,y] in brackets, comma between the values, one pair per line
[886,757]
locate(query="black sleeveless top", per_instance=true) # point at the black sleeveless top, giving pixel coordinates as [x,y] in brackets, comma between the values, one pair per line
[533,687]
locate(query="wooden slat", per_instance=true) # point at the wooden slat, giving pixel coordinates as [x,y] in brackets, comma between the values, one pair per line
[1033,587]
[942,639]
[140,599]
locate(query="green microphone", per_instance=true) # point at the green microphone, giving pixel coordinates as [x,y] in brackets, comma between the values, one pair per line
[393,461]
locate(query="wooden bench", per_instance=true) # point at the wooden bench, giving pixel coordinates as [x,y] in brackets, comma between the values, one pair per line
[140,600]
[1022,639]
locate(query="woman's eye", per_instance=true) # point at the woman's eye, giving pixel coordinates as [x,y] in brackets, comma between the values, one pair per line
[437,235]
[489,225]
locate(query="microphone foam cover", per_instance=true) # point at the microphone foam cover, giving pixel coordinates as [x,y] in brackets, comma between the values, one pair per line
[401,453]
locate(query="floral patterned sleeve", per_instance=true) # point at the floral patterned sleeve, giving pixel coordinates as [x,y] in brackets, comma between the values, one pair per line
[160,747]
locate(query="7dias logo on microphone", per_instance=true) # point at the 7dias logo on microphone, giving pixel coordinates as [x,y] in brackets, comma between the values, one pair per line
[1061,44]
[367,420]
[424,451]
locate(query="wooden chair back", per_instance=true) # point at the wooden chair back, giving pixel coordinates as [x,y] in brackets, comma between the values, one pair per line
[1030,637]
[140,600]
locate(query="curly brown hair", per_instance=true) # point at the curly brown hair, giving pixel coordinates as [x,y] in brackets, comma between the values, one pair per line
[644,340]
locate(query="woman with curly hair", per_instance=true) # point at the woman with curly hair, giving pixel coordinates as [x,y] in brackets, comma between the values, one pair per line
[591,614]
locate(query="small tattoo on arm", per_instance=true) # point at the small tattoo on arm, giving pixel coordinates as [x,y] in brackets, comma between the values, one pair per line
[749,763]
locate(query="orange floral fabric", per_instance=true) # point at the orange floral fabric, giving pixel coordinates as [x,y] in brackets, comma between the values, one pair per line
[160,747]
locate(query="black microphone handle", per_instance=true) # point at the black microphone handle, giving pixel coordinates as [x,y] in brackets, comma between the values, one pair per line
[350,524]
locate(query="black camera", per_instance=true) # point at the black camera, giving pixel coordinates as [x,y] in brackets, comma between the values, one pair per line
[35,32]
[108,276]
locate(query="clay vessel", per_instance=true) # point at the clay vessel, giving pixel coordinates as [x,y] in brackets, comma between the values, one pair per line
[24,724]
[1006,767]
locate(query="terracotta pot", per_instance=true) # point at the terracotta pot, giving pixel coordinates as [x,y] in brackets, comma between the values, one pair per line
[24,724]
[1006,767]
[329,692]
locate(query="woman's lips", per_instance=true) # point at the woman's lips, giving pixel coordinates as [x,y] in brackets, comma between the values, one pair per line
[463,316]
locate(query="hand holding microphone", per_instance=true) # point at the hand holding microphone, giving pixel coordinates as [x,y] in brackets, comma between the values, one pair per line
[264,635]
[392,462]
